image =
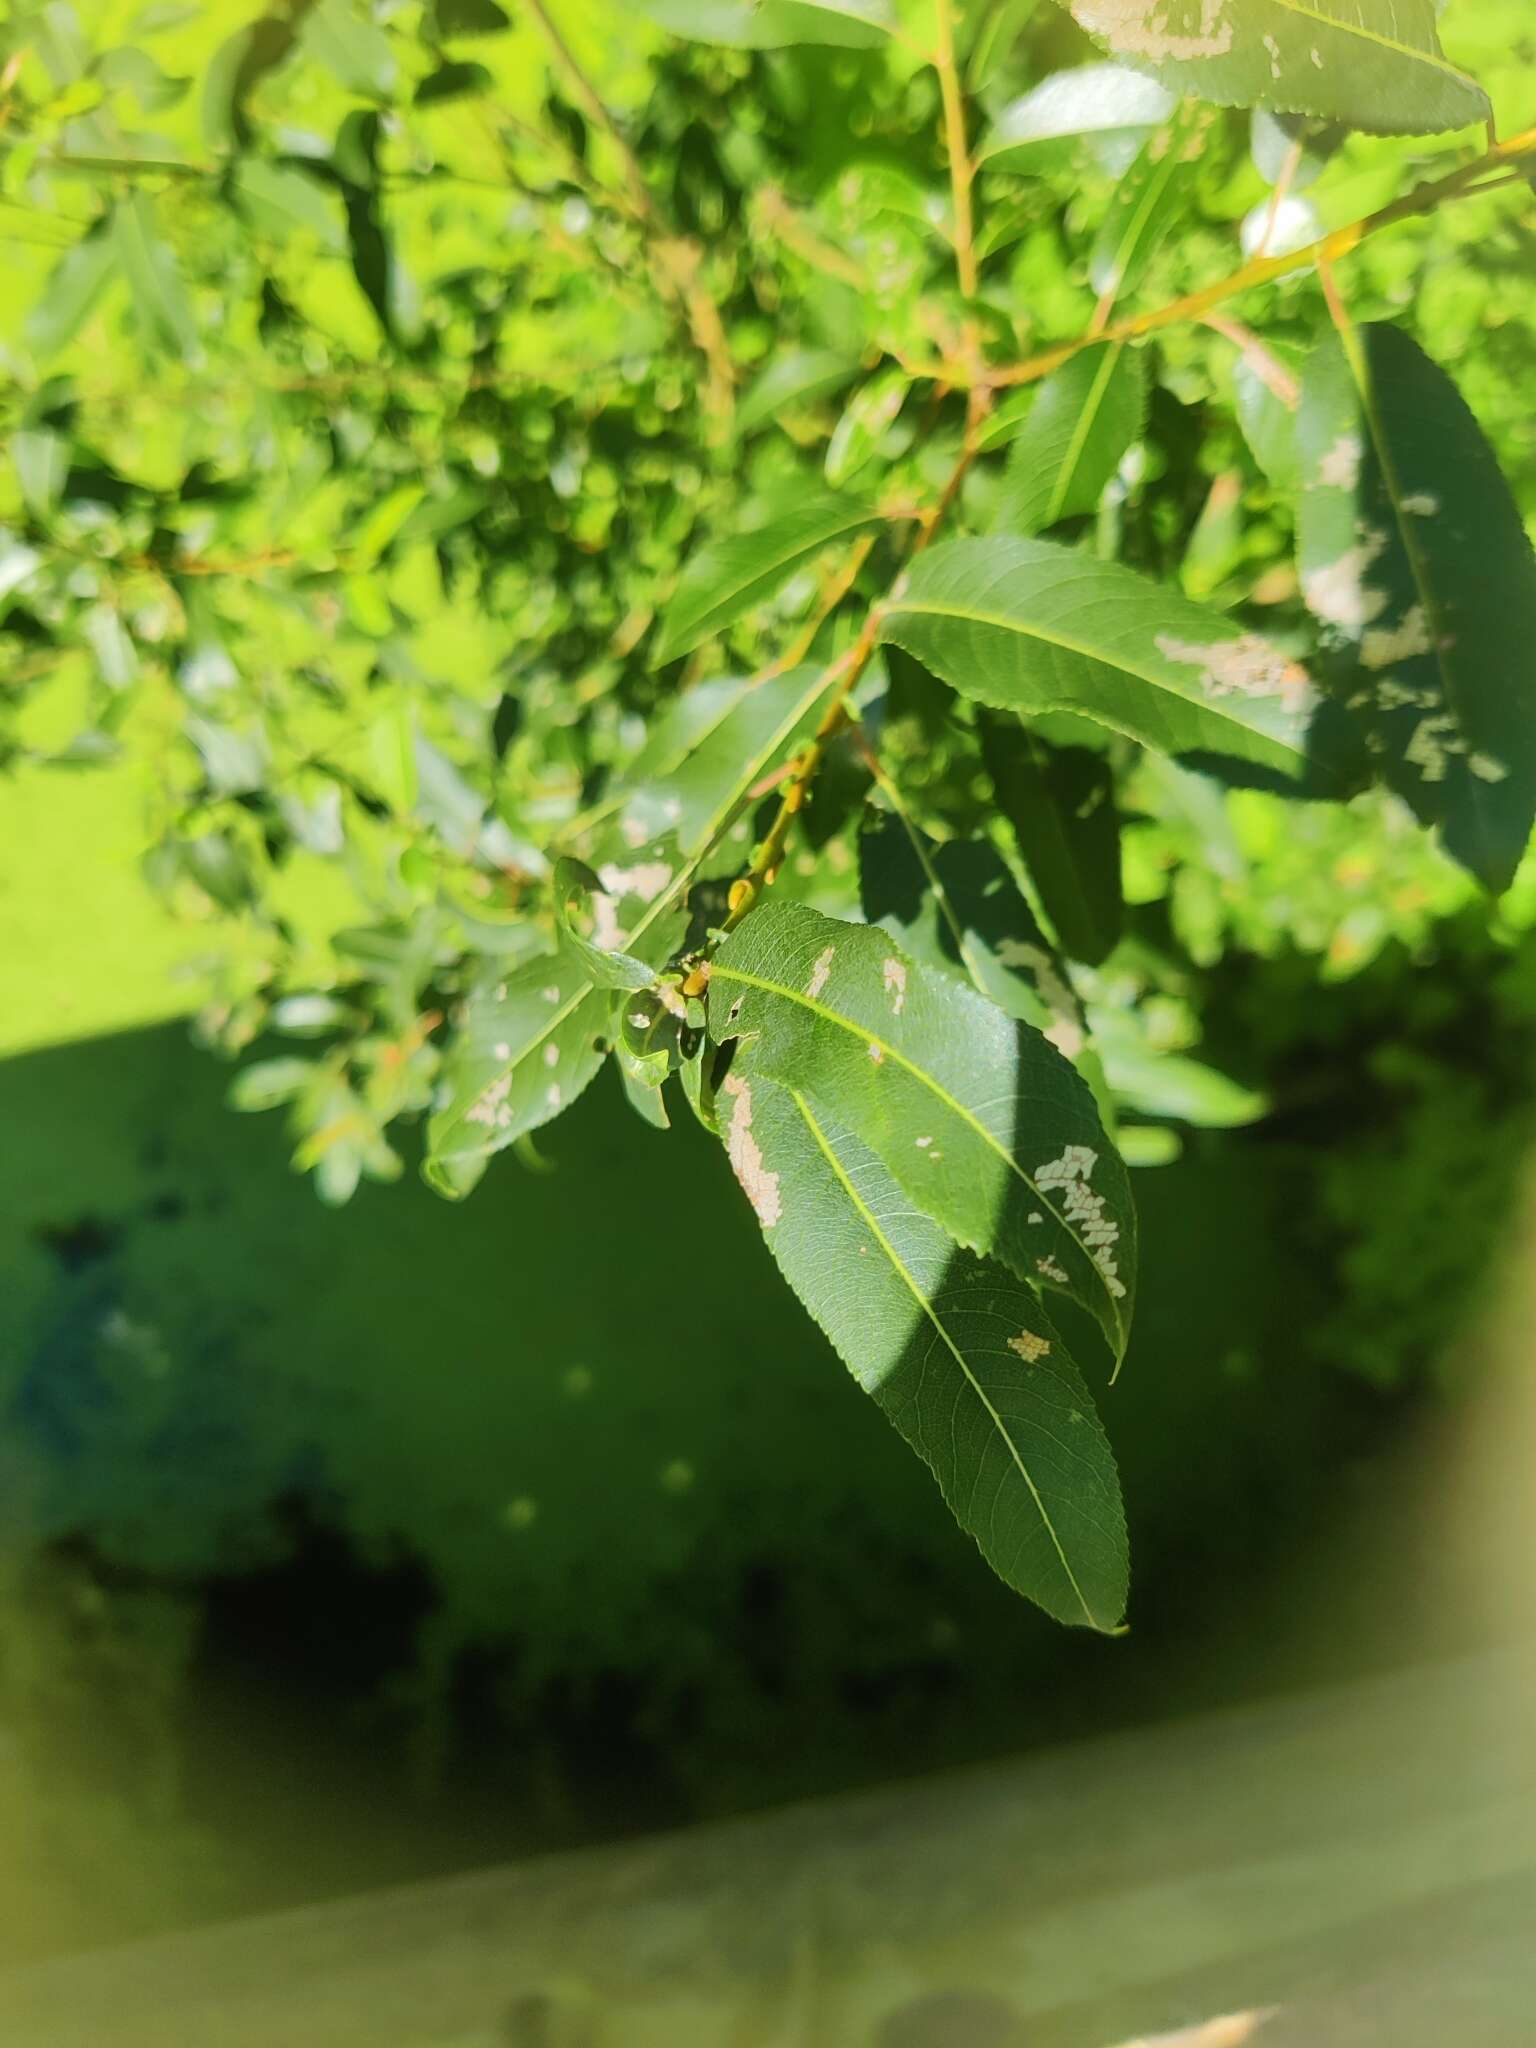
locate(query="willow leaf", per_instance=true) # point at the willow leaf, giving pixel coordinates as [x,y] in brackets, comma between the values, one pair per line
[606,961]
[774,24]
[1060,804]
[987,1127]
[1027,626]
[729,576]
[1086,416]
[1104,102]
[1375,64]
[956,907]
[1144,203]
[960,1357]
[1414,558]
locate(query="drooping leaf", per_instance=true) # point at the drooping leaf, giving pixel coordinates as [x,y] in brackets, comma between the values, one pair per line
[863,424]
[455,81]
[78,281]
[960,1357]
[607,962]
[728,576]
[1375,64]
[1027,626]
[987,1127]
[154,281]
[528,1044]
[796,377]
[1087,414]
[1060,804]
[956,907]
[1415,561]
[1106,102]
[238,66]
[719,738]
[1145,202]
[1266,384]
[774,24]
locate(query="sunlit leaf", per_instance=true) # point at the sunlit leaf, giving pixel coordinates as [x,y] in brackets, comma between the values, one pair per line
[1085,417]
[773,24]
[1375,64]
[1106,102]
[728,576]
[981,1120]
[1027,626]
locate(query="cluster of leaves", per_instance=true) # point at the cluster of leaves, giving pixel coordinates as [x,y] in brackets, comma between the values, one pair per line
[706,556]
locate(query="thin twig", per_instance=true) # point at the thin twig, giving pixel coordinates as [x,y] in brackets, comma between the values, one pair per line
[1262,270]
[961,169]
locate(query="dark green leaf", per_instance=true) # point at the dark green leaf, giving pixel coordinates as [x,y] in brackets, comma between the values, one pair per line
[794,379]
[960,1356]
[453,82]
[1414,558]
[1060,802]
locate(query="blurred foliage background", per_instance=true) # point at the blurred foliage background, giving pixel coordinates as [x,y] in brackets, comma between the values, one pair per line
[347,456]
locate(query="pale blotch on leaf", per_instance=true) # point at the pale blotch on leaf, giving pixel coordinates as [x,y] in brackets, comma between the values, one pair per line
[551,994]
[492,1108]
[551,1054]
[1070,1177]
[554,1098]
[1339,594]
[1339,469]
[876,1052]
[820,971]
[1421,504]
[1029,1347]
[894,975]
[1159,29]
[1245,667]
[646,879]
[501,1050]
[1383,646]
[760,1187]
[1486,768]
[1049,1270]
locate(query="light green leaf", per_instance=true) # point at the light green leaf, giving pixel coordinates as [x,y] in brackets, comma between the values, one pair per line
[714,744]
[267,1084]
[77,282]
[1266,383]
[526,1048]
[280,198]
[729,576]
[981,1120]
[42,465]
[1027,626]
[1060,803]
[1087,414]
[607,963]
[865,421]
[357,52]
[792,379]
[1103,101]
[1414,559]
[159,296]
[1375,64]
[960,1356]
[1145,202]
[774,24]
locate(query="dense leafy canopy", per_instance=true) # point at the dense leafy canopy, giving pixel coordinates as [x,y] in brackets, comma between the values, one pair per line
[745,540]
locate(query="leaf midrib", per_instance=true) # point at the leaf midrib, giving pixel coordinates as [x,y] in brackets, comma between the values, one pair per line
[746,979]
[1212,705]
[854,518]
[1371,35]
[899,1265]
